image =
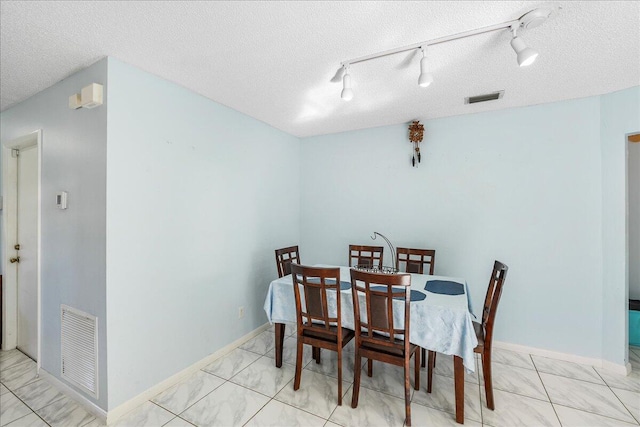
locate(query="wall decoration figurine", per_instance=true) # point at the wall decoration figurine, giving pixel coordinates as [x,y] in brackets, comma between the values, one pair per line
[416,133]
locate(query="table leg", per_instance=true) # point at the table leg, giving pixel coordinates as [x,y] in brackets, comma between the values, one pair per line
[458,375]
[279,343]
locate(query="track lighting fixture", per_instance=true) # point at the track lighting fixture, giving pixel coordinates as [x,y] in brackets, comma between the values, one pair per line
[425,78]
[525,55]
[347,92]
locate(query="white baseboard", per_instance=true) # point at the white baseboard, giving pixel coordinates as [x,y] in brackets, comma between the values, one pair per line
[598,363]
[615,368]
[138,400]
[75,395]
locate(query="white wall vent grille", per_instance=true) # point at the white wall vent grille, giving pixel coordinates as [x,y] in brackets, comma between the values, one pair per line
[80,349]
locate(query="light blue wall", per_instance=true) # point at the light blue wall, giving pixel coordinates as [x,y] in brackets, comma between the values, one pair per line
[198,198]
[523,186]
[620,115]
[73,241]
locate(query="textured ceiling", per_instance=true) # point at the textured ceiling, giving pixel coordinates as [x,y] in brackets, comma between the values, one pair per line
[274,60]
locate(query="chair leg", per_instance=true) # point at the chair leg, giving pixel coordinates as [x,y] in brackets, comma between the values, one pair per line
[296,382]
[424,356]
[370,367]
[417,370]
[357,368]
[488,382]
[407,393]
[339,375]
[432,358]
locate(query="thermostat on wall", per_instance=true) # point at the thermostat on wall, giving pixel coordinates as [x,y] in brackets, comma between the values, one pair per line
[61,200]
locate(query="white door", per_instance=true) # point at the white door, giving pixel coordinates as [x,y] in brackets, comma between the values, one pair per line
[27,251]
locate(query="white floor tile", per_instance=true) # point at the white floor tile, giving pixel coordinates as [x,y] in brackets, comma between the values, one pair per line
[571,417]
[374,409]
[228,405]
[444,367]
[388,378]
[178,422]
[516,410]
[19,375]
[567,369]
[516,380]
[65,413]
[261,344]
[31,420]
[329,365]
[147,414]
[232,363]
[262,376]
[585,396]
[318,394]
[634,358]
[184,394]
[11,358]
[630,382]
[11,408]
[289,351]
[513,358]
[631,400]
[424,416]
[278,414]
[3,389]
[38,394]
[443,397]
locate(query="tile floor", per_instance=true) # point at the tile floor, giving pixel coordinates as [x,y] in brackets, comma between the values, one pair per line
[245,388]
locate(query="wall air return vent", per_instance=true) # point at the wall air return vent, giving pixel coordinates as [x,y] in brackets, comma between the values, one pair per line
[484,98]
[79,345]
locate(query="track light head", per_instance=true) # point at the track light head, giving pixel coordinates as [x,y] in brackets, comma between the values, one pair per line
[425,78]
[347,92]
[526,55]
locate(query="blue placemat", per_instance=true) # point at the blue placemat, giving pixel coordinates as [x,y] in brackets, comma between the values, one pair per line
[444,287]
[343,285]
[415,295]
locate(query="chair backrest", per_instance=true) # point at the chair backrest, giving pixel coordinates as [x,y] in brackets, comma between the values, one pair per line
[379,290]
[415,259]
[370,256]
[284,258]
[491,300]
[317,286]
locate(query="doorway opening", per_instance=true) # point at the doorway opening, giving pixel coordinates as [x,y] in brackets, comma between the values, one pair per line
[21,245]
[633,245]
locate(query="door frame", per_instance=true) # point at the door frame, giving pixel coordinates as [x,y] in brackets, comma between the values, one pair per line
[9,226]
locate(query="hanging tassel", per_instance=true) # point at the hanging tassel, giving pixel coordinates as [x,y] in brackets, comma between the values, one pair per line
[413,161]
[419,157]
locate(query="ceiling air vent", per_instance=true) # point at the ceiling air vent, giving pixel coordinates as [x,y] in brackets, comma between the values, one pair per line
[484,98]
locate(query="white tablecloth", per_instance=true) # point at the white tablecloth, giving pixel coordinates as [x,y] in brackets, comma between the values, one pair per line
[442,323]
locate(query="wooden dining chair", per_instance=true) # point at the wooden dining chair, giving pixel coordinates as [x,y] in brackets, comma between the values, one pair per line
[318,327]
[484,330]
[377,335]
[370,256]
[414,260]
[284,258]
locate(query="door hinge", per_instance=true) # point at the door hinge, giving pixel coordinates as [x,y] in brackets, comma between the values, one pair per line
[15,152]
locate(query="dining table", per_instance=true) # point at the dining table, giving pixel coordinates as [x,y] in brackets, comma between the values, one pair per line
[441,318]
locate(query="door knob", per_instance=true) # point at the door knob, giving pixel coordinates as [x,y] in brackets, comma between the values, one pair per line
[13,260]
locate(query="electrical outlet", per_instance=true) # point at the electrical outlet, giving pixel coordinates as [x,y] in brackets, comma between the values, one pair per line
[240,312]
